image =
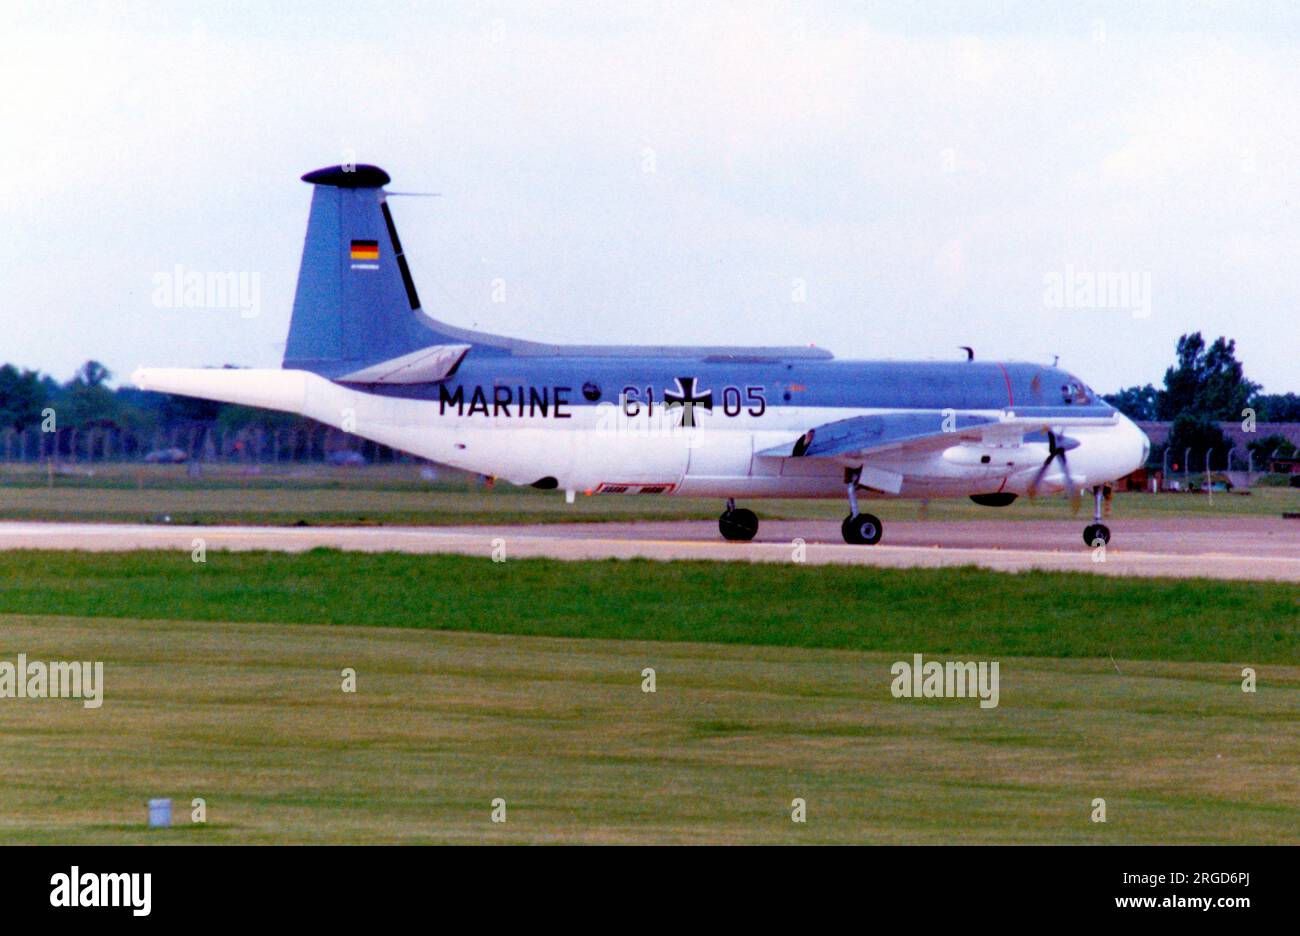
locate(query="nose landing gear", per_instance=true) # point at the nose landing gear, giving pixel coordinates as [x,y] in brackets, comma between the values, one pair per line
[859,529]
[738,524]
[1096,531]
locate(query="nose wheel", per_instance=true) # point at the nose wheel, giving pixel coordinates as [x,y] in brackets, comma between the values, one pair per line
[859,529]
[1096,530]
[737,523]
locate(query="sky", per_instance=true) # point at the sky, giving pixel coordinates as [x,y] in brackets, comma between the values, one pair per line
[883,180]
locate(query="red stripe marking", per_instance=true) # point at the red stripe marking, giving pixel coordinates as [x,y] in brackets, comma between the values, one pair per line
[1011,397]
[1011,401]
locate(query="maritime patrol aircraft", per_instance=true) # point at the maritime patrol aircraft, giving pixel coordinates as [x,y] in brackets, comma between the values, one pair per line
[656,420]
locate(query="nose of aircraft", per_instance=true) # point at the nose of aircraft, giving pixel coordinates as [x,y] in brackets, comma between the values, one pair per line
[1136,444]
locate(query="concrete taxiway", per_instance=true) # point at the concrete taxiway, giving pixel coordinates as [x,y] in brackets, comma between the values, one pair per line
[1260,548]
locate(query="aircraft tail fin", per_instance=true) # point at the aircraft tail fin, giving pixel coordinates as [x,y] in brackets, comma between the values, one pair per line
[356,313]
[356,304]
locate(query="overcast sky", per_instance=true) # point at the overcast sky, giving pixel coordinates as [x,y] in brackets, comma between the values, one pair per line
[915,173]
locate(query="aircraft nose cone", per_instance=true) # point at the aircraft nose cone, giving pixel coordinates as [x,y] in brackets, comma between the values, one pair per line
[1140,445]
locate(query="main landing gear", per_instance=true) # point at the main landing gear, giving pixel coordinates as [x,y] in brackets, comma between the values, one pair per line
[1096,531]
[738,523]
[858,528]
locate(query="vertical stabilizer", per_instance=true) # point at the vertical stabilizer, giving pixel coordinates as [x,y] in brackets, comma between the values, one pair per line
[356,304]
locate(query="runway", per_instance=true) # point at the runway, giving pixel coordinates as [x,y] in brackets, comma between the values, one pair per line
[1252,548]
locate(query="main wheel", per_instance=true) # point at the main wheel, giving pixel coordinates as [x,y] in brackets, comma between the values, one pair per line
[862,529]
[739,524]
[1096,531]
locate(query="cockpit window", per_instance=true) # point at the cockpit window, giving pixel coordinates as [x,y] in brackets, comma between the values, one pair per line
[1075,391]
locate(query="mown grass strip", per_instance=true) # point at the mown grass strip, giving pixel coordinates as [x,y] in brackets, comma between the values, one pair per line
[952,611]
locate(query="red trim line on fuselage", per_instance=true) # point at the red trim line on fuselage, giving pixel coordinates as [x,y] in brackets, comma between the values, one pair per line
[1011,401]
[1011,397]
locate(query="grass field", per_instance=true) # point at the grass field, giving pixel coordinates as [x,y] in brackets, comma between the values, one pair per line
[963,610]
[250,717]
[222,680]
[395,495]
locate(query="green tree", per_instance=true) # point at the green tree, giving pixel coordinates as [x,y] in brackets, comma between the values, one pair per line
[1265,447]
[1207,383]
[93,374]
[1277,407]
[85,400]
[1137,403]
[1201,434]
[22,397]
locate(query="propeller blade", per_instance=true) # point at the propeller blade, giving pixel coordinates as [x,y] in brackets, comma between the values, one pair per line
[1071,489]
[1057,446]
[1051,452]
[1075,498]
[1038,478]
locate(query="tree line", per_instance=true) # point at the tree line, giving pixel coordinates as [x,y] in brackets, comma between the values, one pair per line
[63,416]
[1207,385]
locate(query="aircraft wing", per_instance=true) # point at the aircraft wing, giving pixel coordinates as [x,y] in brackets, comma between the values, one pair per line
[863,436]
[877,444]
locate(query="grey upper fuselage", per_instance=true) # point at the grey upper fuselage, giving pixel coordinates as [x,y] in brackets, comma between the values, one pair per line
[357,309]
[976,385]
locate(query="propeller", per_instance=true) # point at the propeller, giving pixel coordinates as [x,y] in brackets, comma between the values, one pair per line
[1057,446]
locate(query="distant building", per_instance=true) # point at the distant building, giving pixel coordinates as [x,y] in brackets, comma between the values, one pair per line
[1139,480]
[1288,465]
[1158,432]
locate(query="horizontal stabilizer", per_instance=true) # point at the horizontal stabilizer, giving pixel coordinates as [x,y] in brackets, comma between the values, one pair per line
[428,365]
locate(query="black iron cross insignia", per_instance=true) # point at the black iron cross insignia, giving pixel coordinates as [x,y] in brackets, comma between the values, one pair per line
[686,399]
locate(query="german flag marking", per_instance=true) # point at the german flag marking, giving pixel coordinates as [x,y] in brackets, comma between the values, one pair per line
[365,250]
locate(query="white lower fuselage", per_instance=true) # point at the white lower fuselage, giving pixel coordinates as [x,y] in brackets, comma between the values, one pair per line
[599,449]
